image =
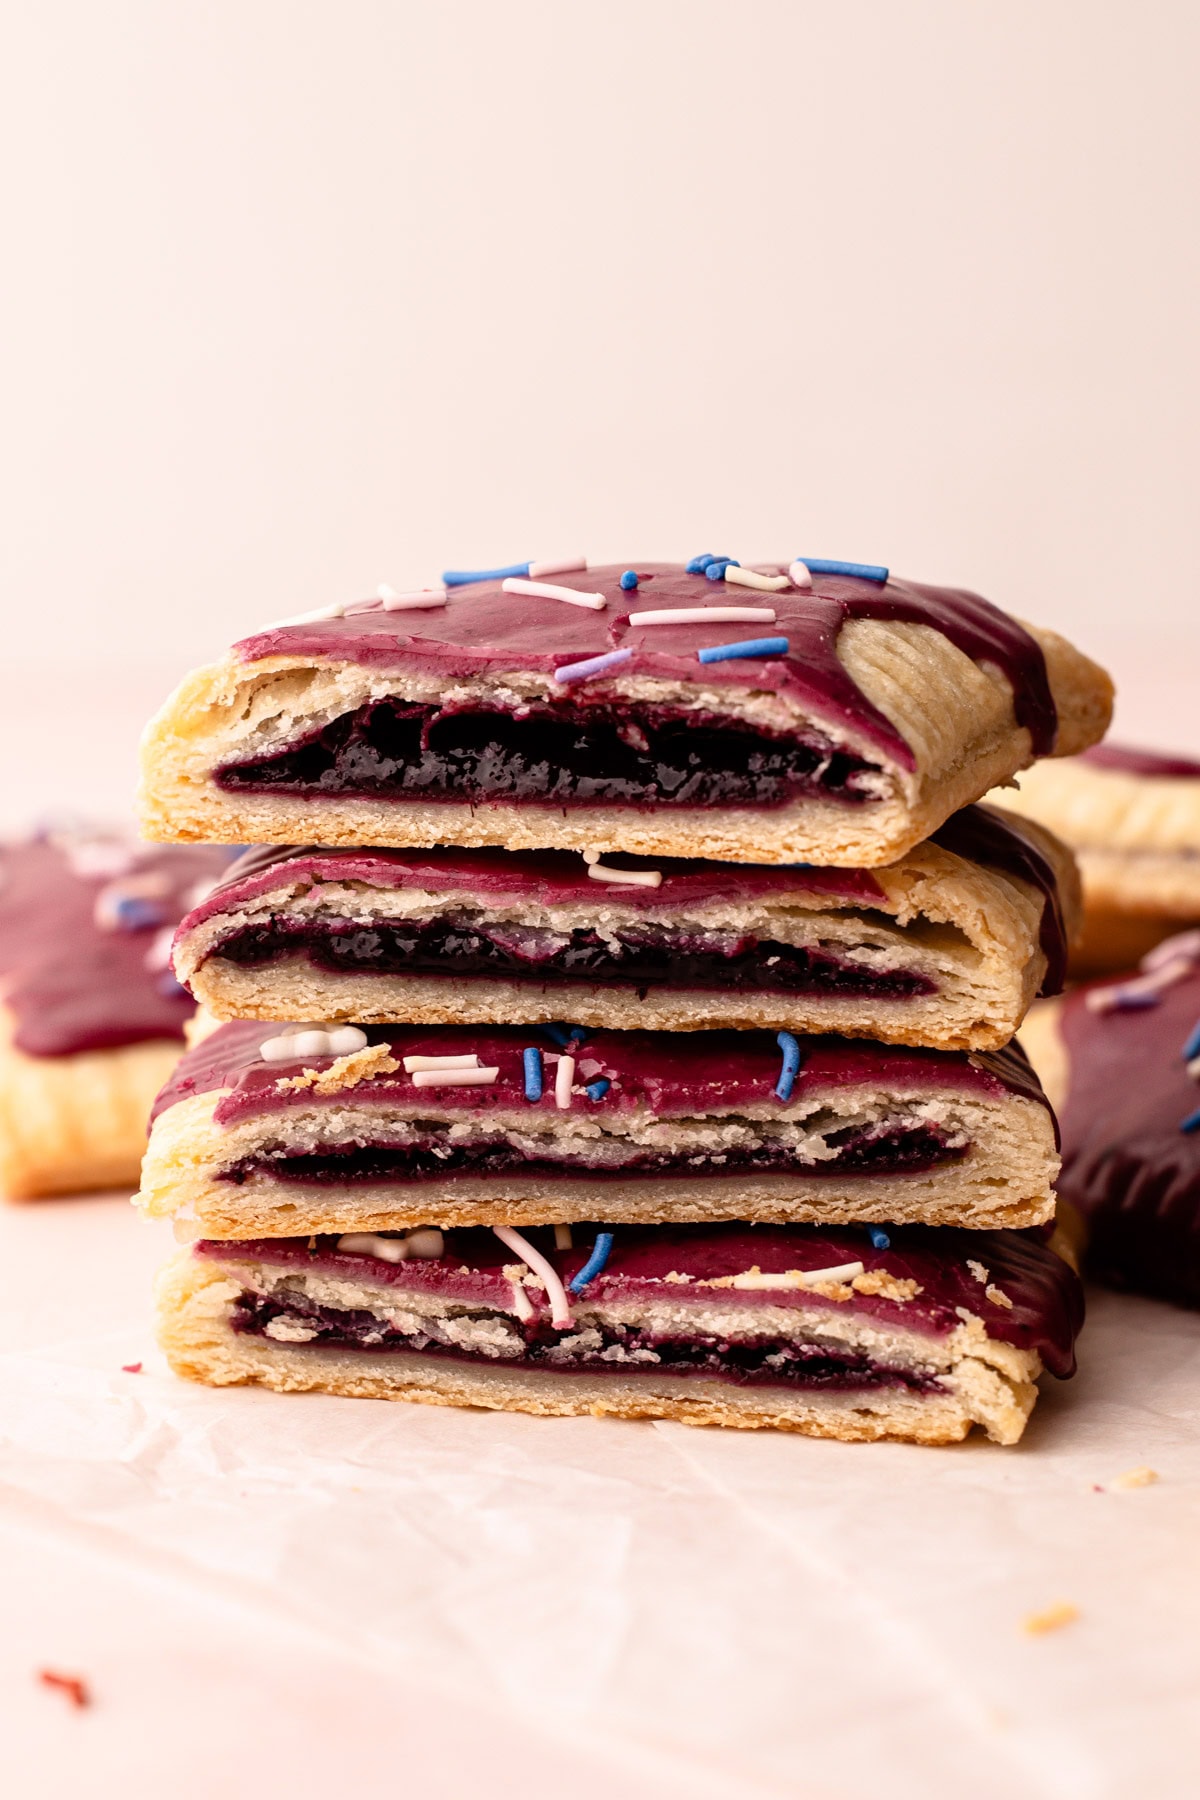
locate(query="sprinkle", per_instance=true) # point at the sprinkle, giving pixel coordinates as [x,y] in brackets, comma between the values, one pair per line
[413,1063]
[131,1368]
[879,1237]
[532,1059]
[1135,1478]
[601,1251]
[797,1278]
[1191,1123]
[566,565]
[464,577]
[706,615]
[549,590]
[629,580]
[521,1304]
[717,567]
[426,1242]
[346,1040]
[562,1238]
[430,1078]
[791,1065]
[596,1090]
[282,1048]
[317,616]
[1192,1068]
[821,565]
[564,1076]
[158,956]
[798,574]
[369,1243]
[1054,1617]
[698,564]
[591,665]
[1192,1047]
[562,1035]
[73,1686]
[560,1306]
[754,578]
[776,646]
[1184,946]
[417,600]
[599,871]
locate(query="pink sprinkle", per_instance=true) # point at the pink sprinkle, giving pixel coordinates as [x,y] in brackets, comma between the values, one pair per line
[591,665]
[131,1368]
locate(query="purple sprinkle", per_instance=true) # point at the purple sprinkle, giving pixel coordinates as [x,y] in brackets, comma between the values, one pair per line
[591,665]
[1192,1122]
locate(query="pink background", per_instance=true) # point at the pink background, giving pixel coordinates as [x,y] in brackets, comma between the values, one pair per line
[305,296]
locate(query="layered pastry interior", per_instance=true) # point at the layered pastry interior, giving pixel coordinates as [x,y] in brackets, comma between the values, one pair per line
[451,1125]
[830,1332]
[877,709]
[1132,817]
[1120,1059]
[946,948]
[91,1016]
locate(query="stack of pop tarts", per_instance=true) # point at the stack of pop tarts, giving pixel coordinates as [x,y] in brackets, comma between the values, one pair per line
[636,1038]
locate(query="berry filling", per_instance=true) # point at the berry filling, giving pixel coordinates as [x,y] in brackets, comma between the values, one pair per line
[599,755]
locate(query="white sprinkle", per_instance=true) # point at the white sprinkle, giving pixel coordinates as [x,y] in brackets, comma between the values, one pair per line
[315,617]
[547,590]
[566,565]
[158,956]
[707,615]
[354,607]
[521,1305]
[753,578]
[413,1063]
[562,1238]
[428,1078]
[426,1242]
[560,1306]
[366,1243]
[627,877]
[416,600]
[800,575]
[278,1049]
[1193,1068]
[564,1076]
[346,1040]
[1183,947]
[591,856]
[309,1043]
[798,1278]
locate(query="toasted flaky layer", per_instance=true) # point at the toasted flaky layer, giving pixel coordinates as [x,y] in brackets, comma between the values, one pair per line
[1003,1179]
[1137,841]
[196,1298]
[956,716]
[69,1124]
[972,931]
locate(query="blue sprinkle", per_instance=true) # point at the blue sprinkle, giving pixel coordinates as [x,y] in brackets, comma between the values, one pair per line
[564,1035]
[464,577]
[717,567]
[821,565]
[1192,1122]
[601,1251]
[1192,1047]
[136,914]
[879,1237]
[791,1065]
[698,564]
[532,1058]
[747,647]
[629,579]
[596,1090]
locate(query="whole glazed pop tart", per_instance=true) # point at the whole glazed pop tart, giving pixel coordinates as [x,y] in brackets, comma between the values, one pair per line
[816,711]
[1121,1060]
[826,1332]
[946,947]
[1132,818]
[379,1129]
[91,1017]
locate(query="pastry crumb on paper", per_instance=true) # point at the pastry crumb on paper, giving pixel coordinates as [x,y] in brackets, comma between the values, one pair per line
[1053,1618]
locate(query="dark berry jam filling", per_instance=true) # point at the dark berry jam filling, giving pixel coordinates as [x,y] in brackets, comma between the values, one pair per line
[641,956]
[430,1156]
[554,754]
[774,1362]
